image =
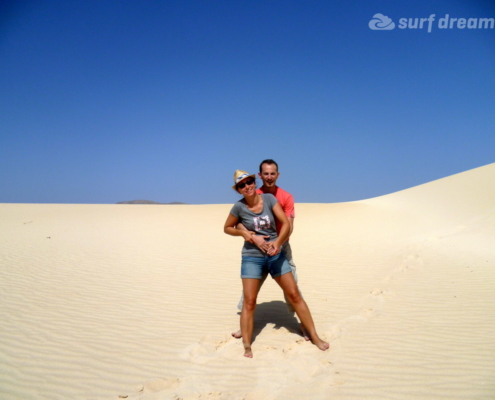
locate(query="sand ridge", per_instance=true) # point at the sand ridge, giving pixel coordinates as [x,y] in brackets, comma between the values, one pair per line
[102,301]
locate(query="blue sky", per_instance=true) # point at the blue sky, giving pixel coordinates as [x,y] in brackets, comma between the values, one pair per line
[106,101]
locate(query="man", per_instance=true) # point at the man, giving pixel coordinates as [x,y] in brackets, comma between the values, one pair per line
[269,175]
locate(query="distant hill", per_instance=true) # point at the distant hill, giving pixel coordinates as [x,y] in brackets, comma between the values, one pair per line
[146,202]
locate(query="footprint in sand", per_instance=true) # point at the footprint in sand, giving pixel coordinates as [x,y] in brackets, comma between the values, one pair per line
[411,262]
[326,363]
[377,292]
[215,396]
[153,386]
[207,349]
[159,385]
[339,329]
[199,353]
[221,343]
[370,312]
[372,305]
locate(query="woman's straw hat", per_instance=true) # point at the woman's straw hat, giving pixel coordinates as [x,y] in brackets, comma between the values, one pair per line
[239,175]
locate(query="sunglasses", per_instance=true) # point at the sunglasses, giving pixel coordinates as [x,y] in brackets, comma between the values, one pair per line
[242,185]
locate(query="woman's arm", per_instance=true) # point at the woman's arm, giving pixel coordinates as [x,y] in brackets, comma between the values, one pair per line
[230,228]
[284,230]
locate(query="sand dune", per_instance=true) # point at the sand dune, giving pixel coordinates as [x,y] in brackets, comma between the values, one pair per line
[106,300]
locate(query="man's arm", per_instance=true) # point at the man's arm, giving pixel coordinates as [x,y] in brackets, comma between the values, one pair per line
[276,245]
[291,225]
[287,203]
[258,240]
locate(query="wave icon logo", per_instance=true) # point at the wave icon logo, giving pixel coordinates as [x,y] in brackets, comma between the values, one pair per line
[381,22]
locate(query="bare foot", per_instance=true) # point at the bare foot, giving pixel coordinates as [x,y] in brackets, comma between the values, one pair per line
[247,351]
[322,345]
[237,334]
[305,333]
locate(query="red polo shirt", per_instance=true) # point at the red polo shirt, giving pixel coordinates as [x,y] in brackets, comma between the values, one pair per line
[286,202]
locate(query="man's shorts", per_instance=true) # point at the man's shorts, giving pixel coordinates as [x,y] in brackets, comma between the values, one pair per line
[253,267]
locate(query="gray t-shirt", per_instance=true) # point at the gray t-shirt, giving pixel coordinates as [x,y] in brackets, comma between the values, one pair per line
[262,223]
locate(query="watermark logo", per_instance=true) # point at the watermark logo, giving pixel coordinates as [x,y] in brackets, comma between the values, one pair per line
[381,22]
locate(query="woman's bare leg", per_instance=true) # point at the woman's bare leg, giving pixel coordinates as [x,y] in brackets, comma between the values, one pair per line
[289,286]
[305,333]
[251,288]
[238,334]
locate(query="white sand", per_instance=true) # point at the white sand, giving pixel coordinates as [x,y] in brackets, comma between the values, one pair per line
[99,301]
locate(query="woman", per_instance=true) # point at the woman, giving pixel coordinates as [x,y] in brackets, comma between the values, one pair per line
[258,213]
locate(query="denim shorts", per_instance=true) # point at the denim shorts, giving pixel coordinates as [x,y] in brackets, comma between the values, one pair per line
[253,267]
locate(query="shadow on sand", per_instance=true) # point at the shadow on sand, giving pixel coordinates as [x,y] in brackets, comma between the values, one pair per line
[274,312]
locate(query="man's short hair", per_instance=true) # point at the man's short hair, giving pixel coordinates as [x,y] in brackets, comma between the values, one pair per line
[269,162]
